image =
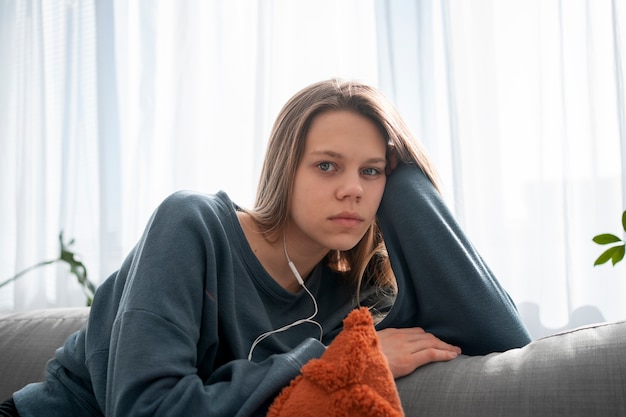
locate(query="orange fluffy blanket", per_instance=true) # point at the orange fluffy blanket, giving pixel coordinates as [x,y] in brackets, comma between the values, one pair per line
[351,378]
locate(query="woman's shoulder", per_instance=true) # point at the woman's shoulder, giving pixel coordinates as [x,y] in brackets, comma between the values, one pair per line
[187,205]
[195,197]
[186,199]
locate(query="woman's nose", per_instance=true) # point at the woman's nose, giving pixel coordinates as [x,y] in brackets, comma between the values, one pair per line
[351,188]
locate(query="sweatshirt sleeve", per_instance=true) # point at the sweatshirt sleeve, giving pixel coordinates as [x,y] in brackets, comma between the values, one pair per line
[164,323]
[162,381]
[444,285]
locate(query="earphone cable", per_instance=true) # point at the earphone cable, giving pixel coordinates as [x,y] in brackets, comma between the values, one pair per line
[297,322]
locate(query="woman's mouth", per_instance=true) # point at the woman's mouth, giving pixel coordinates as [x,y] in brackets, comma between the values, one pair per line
[347,219]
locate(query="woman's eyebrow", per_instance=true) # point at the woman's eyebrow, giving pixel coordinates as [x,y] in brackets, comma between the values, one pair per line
[377,161]
[331,154]
[336,155]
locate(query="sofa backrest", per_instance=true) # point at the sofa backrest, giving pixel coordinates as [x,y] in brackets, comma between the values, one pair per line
[29,339]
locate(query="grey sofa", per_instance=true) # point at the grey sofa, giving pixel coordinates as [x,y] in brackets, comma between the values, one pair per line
[580,372]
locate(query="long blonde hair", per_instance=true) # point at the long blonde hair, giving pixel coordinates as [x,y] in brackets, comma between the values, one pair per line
[284,152]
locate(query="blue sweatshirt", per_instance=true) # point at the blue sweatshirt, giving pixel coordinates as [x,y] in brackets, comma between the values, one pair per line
[169,332]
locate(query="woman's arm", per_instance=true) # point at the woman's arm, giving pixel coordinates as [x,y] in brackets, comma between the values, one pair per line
[166,334]
[161,379]
[444,285]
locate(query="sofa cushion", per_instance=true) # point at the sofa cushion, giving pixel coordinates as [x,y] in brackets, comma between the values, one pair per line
[576,373]
[28,340]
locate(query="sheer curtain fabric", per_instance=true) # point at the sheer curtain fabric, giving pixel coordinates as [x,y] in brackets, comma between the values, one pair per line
[108,106]
[521,105]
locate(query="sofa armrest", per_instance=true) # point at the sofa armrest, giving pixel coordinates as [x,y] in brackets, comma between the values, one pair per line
[29,339]
[575,373]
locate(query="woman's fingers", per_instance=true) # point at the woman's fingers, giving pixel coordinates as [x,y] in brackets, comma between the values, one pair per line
[408,349]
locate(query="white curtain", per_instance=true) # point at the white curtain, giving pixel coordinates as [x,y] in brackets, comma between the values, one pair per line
[521,105]
[107,106]
[48,142]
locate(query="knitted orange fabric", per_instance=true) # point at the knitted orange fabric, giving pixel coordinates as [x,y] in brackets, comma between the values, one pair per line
[351,378]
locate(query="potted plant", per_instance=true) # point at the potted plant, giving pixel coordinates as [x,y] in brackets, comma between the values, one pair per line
[77,268]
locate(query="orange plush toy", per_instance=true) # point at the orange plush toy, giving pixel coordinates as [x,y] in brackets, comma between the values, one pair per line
[351,378]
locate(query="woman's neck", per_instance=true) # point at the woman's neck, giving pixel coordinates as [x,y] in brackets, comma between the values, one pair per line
[275,255]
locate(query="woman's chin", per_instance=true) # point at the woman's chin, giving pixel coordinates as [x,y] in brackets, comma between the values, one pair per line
[344,245]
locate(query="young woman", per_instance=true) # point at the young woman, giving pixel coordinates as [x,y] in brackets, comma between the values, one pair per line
[218,307]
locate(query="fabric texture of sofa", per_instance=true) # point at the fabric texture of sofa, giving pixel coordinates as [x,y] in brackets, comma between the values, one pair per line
[581,372]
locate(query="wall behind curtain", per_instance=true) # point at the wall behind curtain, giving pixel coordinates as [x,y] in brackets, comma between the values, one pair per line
[106,107]
[521,105]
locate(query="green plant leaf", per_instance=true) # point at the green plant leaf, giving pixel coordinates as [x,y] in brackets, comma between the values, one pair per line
[77,268]
[30,268]
[606,238]
[616,254]
[624,220]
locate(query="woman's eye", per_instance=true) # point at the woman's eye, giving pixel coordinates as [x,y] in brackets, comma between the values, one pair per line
[371,172]
[325,166]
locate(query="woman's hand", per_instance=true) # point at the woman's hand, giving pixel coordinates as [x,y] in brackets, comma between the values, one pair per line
[408,349]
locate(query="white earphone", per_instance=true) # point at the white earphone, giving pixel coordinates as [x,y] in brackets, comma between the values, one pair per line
[297,322]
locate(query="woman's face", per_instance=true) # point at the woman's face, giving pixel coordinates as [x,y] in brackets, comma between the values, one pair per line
[339,182]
